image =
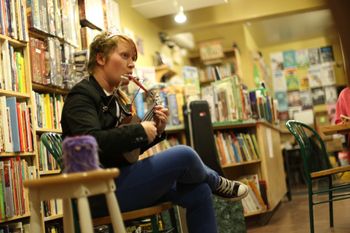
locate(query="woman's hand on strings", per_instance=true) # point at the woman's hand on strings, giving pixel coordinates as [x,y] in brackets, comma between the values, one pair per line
[160,118]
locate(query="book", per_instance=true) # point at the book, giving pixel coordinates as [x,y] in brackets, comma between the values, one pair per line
[318,96]
[292,80]
[326,53]
[331,94]
[314,56]
[289,59]
[294,98]
[11,104]
[282,98]
[306,99]
[302,58]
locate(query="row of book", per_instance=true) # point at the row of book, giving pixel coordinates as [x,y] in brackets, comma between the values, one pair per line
[163,145]
[216,72]
[15,227]
[16,133]
[46,161]
[14,200]
[12,69]
[236,148]
[52,62]
[13,21]
[229,100]
[256,201]
[52,207]
[48,110]
[57,18]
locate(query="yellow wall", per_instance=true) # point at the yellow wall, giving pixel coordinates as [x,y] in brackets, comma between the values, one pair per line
[142,28]
[311,43]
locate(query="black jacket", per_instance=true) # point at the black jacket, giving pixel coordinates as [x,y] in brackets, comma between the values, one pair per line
[83,114]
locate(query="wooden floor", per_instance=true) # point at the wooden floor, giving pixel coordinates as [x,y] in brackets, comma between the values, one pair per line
[293,217]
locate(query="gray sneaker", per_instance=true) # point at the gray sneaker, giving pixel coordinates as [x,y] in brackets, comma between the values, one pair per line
[230,189]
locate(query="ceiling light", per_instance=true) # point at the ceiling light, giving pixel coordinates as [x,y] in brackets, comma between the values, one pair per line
[180,17]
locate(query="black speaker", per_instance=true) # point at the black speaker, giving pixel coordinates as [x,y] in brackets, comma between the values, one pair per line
[200,134]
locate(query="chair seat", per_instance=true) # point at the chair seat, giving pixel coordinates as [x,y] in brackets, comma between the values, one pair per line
[330,171]
[135,214]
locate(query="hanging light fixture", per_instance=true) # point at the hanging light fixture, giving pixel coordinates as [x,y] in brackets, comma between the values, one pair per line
[180,17]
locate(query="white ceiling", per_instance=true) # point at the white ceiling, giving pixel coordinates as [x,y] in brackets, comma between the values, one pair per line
[284,29]
[156,8]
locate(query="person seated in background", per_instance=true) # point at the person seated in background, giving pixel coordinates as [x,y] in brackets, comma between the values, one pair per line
[96,106]
[342,113]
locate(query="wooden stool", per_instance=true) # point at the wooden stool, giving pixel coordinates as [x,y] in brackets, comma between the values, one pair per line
[75,186]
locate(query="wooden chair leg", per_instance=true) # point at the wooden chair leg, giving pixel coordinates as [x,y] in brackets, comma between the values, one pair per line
[330,203]
[311,210]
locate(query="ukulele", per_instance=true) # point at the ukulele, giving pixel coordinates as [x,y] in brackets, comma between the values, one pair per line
[133,156]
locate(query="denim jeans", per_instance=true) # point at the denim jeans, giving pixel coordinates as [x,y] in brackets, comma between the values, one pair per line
[177,175]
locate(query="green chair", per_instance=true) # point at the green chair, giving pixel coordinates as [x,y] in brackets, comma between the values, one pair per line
[53,143]
[308,138]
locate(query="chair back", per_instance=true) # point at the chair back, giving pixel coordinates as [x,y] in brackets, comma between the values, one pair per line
[53,143]
[312,148]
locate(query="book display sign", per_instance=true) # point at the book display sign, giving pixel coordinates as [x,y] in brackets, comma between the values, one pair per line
[210,50]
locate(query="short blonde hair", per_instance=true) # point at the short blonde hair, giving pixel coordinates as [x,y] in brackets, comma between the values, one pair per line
[105,43]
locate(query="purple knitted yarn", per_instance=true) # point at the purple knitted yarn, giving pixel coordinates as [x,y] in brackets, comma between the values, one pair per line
[80,154]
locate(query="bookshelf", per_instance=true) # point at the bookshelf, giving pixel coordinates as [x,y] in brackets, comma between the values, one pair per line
[209,70]
[268,166]
[17,148]
[50,45]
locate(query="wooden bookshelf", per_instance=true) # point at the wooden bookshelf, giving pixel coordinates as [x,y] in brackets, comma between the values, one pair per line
[12,154]
[174,128]
[52,172]
[15,94]
[49,89]
[234,124]
[241,163]
[255,213]
[53,217]
[13,42]
[43,130]
[269,166]
[26,215]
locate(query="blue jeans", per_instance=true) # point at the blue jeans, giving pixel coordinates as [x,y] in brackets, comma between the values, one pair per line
[177,175]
